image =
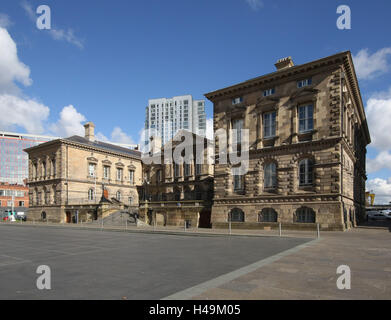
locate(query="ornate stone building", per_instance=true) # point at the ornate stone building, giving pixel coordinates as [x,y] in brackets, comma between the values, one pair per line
[67,178]
[307,147]
[176,192]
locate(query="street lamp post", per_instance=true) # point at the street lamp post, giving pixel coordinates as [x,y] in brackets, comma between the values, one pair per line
[230,220]
[146,183]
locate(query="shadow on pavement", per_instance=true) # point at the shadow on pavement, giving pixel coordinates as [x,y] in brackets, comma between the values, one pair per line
[385,224]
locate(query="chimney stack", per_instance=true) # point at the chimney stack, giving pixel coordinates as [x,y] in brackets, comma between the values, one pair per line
[89,133]
[284,63]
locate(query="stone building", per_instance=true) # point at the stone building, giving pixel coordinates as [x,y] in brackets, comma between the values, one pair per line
[307,147]
[175,192]
[69,177]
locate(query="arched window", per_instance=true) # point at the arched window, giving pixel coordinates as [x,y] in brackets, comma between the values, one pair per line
[305,215]
[159,176]
[270,175]
[91,194]
[54,200]
[236,215]
[119,195]
[36,197]
[268,215]
[46,196]
[306,172]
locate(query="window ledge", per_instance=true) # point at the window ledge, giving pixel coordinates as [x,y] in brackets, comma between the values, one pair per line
[270,138]
[309,187]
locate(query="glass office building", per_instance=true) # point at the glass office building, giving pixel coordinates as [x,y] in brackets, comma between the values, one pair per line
[13,160]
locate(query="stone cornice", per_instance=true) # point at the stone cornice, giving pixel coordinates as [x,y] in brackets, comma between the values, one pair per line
[82,147]
[300,146]
[270,78]
[279,199]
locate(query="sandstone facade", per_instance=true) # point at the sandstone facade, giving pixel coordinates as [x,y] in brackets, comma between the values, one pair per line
[68,176]
[318,152]
[178,193]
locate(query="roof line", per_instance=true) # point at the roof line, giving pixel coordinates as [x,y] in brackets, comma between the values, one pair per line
[267,76]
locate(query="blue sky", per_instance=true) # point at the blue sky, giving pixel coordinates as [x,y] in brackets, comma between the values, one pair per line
[112,56]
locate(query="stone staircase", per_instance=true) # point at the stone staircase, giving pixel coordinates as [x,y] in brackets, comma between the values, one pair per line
[118,218]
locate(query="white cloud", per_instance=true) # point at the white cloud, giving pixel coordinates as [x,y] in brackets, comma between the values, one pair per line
[382,190]
[209,129]
[382,161]
[25,113]
[121,137]
[70,123]
[57,34]
[378,115]
[17,111]
[117,136]
[60,34]
[29,10]
[101,137]
[11,69]
[255,4]
[369,66]
[4,20]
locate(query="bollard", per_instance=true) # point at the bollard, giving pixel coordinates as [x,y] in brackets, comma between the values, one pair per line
[230,227]
[126,224]
[101,225]
[318,230]
[280,229]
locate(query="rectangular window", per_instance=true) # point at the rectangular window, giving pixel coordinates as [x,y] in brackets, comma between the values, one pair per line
[9,203]
[306,172]
[177,171]
[304,83]
[35,170]
[270,175]
[119,174]
[21,203]
[269,125]
[306,118]
[269,92]
[238,183]
[131,176]
[187,169]
[44,169]
[237,125]
[106,172]
[198,169]
[237,100]
[53,167]
[91,170]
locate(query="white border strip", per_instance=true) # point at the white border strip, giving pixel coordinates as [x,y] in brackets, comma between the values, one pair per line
[197,290]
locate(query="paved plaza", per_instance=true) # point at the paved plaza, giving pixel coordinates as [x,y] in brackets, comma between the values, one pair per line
[91,264]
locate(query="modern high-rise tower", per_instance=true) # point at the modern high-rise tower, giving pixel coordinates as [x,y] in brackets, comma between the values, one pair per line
[166,116]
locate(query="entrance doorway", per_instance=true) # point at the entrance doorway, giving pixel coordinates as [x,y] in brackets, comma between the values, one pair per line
[69,217]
